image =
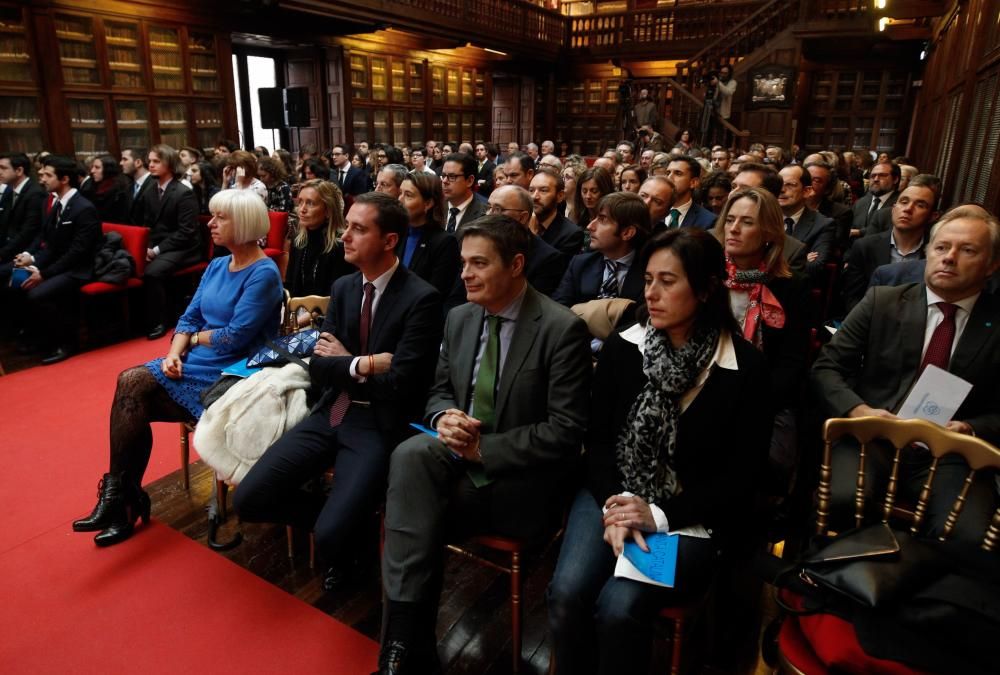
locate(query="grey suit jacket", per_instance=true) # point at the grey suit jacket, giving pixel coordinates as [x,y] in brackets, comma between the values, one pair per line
[543,395]
[794,253]
[875,357]
[861,210]
[818,234]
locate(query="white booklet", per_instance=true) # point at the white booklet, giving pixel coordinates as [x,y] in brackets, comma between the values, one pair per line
[936,396]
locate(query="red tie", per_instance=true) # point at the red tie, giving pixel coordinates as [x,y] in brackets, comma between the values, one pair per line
[343,402]
[939,348]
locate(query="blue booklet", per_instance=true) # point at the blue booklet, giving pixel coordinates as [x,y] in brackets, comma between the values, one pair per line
[659,566]
[240,369]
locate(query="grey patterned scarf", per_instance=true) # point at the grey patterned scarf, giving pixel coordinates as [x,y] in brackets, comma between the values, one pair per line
[646,447]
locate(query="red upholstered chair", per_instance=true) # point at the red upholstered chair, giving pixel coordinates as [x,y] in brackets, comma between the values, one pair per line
[277,234]
[135,240]
[207,248]
[822,643]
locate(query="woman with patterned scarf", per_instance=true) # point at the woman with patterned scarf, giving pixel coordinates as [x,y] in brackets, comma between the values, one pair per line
[680,423]
[769,303]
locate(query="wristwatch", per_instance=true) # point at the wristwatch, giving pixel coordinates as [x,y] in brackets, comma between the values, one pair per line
[194,339]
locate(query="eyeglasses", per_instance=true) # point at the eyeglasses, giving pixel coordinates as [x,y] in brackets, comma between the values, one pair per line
[452,177]
[494,209]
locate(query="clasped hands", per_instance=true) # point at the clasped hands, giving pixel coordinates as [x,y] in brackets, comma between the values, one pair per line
[627,516]
[25,260]
[372,364]
[461,433]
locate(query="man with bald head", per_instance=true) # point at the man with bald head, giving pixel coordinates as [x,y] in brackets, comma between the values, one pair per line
[658,194]
[884,344]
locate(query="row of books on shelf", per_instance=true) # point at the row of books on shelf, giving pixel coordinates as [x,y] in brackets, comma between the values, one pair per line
[76,50]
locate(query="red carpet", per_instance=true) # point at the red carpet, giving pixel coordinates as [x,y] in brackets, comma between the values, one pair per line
[160,603]
[54,431]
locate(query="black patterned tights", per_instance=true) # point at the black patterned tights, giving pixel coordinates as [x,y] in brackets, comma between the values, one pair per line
[139,400]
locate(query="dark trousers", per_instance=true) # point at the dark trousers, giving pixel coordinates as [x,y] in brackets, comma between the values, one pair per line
[601,623]
[272,490]
[48,312]
[431,500]
[154,282]
[914,465]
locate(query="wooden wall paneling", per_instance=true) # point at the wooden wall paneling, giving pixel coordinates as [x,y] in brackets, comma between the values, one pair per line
[505,105]
[224,52]
[53,99]
[337,97]
[526,107]
[302,69]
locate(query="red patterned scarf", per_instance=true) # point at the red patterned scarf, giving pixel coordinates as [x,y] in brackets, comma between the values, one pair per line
[763,305]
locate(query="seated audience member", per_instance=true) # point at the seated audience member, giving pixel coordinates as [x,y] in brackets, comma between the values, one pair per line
[658,195]
[609,269]
[754,175]
[133,164]
[883,189]
[499,177]
[190,156]
[271,172]
[107,190]
[57,262]
[573,168]
[316,255]
[769,301]
[816,232]
[721,160]
[591,186]
[873,361]
[632,178]
[390,179]
[419,162]
[685,174]
[520,169]
[314,169]
[370,372]
[715,191]
[171,213]
[20,206]
[204,184]
[912,215]
[882,220]
[547,192]
[240,173]
[657,458]
[824,180]
[458,180]
[427,250]
[237,305]
[501,451]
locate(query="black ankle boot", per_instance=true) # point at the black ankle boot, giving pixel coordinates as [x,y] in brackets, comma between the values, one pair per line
[134,503]
[108,492]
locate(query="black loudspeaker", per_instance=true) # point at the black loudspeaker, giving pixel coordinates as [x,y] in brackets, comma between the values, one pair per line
[272,108]
[297,107]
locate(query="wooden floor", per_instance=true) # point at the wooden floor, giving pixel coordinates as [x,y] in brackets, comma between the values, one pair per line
[474,620]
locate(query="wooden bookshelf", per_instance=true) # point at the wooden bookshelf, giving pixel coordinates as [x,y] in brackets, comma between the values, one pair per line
[132,120]
[20,124]
[89,122]
[208,123]
[77,49]
[204,62]
[125,59]
[173,122]
[166,58]
[15,58]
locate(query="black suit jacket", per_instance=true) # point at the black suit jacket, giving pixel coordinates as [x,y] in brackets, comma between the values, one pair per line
[486,176]
[137,203]
[475,210]
[866,255]
[787,348]
[20,223]
[436,259]
[880,222]
[718,465]
[563,236]
[860,219]
[172,221]
[69,244]
[407,323]
[585,274]
[842,219]
[875,357]
[818,233]
[355,180]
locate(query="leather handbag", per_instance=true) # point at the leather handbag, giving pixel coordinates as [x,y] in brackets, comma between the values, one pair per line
[286,349]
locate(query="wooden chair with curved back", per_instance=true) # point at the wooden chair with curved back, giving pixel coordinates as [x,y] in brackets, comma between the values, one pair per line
[796,654]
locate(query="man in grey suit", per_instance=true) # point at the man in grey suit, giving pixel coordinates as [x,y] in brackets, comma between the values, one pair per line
[509,408]
[875,358]
[882,193]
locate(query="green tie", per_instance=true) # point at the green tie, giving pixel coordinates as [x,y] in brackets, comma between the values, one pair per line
[484,395]
[674,218]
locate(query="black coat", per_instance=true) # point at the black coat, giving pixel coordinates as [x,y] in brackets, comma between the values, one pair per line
[563,236]
[787,348]
[866,255]
[21,223]
[584,276]
[137,203]
[436,259]
[819,234]
[310,270]
[68,244]
[173,222]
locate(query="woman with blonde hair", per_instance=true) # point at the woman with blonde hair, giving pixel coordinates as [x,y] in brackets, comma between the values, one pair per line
[234,309]
[316,256]
[769,303]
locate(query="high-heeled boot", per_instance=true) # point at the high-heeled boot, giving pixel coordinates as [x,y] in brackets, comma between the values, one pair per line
[134,503]
[108,492]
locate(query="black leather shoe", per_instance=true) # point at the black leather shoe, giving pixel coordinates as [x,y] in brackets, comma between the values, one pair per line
[60,354]
[130,503]
[335,578]
[393,659]
[108,492]
[158,331]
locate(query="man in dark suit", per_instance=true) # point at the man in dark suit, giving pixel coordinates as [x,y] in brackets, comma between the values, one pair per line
[823,180]
[351,180]
[20,207]
[547,191]
[875,358]
[58,262]
[509,406]
[133,163]
[657,193]
[814,230]
[370,372]
[458,176]
[912,215]
[685,173]
[484,170]
[170,211]
[882,220]
[607,270]
[882,194]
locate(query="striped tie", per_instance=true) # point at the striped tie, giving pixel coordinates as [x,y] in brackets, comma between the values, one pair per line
[610,288]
